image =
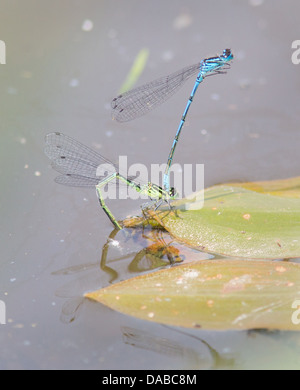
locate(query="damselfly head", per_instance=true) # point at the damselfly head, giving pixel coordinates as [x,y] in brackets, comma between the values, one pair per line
[227,53]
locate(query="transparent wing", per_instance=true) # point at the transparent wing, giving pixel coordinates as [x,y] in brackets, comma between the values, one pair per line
[139,101]
[77,162]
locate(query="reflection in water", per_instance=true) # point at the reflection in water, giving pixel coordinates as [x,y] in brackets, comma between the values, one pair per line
[157,251]
[201,355]
[163,346]
[126,253]
[71,310]
[135,251]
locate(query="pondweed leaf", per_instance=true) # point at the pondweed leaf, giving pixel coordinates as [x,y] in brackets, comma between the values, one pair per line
[211,294]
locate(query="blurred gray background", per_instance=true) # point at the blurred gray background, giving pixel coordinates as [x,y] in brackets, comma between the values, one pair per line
[65,61]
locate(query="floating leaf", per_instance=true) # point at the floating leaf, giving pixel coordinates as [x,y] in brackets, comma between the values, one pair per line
[215,294]
[236,221]
[285,187]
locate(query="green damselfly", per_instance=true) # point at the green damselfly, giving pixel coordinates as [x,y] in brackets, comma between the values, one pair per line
[79,167]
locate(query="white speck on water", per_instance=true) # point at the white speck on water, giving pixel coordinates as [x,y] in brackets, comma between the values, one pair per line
[215,96]
[12,280]
[74,83]
[109,133]
[226,350]
[87,25]
[12,91]
[168,56]
[115,243]
[37,173]
[204,132]
[23,140]
[256,3]
[182,21]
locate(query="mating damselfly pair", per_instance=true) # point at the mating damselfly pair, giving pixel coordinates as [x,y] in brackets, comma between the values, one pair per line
[79,164]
